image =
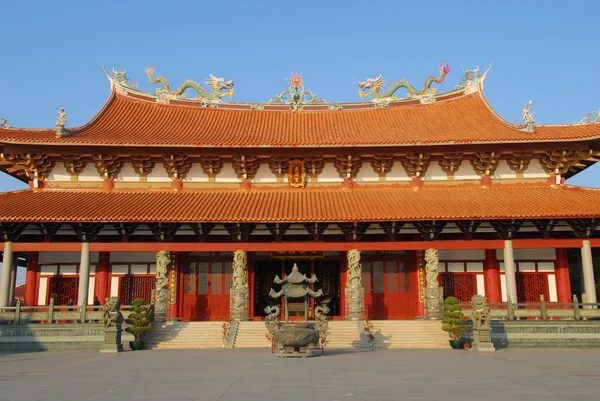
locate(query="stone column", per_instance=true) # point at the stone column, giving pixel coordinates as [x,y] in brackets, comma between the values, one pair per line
[13,282]
[239,298]
[31,278]
[561,272]
[588,272]
[432,290]
[163,263]
[84,274]
[509,271]
[7,263]
[355,293]
[102,276]
[491,277]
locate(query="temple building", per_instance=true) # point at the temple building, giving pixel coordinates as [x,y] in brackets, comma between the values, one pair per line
[298,180]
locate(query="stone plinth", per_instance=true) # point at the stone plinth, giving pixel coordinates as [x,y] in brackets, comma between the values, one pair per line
[482,339]
[112,341]
[433,302]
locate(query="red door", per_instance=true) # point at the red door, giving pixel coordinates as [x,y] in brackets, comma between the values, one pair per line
[206,288]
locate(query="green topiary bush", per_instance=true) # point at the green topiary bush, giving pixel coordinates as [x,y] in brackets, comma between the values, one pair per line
[138,322]
[453,319]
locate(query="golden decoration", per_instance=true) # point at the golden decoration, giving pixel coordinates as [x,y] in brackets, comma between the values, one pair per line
[421,274]
[173,278]
[297,173]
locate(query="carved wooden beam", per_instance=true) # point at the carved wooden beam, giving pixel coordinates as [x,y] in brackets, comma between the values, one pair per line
[519,161]
[559,162]
[240,231]
[125,230]
[278,165]
[506,229]
[416,164]
[202,229]
[142,164]
[468,227]
[48,229]
[430,230]
[246,167]
[278,230]
[316,229]
[108,166]
[583,228]
[353,231]
[74,164]
[450,162]
[486,163]
[87,232]
[176,166]
[164,231]
[211,165]
[347,165]
[36,166]
[11,231]
[545,227]
[391,227]
[314,165]
[382,164]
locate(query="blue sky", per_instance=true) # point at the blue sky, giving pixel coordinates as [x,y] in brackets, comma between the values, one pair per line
[541,50]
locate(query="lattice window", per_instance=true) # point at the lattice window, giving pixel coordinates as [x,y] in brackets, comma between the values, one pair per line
[461,286]
[65,288]
[133,287]
[366,276]
[190,278]
[378,277]
[216,278]
[530,286]
[228,277]
[404,271]
[391,271]
[203,278]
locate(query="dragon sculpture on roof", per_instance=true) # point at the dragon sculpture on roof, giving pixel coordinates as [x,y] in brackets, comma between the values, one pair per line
[219,87]
[378,94]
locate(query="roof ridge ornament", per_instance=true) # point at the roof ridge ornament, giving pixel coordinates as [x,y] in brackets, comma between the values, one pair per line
[61,121]
[4,123]
[381,95]
[591,118]
[295,95]
[528,116]
[219,88]
[121,78]
[471,78]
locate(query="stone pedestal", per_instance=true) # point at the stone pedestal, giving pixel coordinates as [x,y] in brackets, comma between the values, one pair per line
[239,304]
[355,300]
[482,339]
[112,341]
[161,297]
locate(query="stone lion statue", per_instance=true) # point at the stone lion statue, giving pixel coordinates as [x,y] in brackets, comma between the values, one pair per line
[481,311]
[112,313]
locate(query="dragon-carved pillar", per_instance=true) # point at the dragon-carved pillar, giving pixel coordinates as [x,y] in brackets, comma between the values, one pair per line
[355,293]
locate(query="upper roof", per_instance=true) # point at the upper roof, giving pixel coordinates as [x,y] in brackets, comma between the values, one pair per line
[370,204]
[134,118]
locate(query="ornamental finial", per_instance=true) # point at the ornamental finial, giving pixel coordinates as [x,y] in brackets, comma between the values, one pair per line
[4,123]
[591,118]
[296,96]
[528,116]
[61,121]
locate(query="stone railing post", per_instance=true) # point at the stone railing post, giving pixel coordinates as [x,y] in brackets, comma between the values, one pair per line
[18,312]
[83,311]
[576,311]
[543,310]
[51,311]
[510,310]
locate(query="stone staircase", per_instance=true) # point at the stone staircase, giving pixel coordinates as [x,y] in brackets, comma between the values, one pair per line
[251,335]
[185,335]
[343,334]
[425,334]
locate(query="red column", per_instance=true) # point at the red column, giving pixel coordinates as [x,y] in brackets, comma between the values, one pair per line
[491,277]
[251,278]
[31,278]
[563,281]
[102,276]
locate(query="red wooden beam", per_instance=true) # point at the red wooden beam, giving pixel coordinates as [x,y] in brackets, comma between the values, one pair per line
[296,246]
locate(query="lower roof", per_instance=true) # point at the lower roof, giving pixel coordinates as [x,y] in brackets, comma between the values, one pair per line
[389,203]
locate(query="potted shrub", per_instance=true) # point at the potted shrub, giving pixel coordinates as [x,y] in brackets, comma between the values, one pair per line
[139,324]
[454,322]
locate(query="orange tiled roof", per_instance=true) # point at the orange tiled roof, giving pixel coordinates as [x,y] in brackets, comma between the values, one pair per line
[305,205]
[138,120]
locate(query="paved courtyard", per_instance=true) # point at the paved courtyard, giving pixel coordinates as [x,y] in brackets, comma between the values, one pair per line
[251,374]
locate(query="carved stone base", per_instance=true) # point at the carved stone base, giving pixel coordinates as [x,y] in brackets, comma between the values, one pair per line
[161,305]
[112,341]
[355,301]
[433,302]
[239,304]
[482,339]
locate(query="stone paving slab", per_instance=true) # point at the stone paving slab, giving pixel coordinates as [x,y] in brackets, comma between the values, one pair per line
[340,375]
